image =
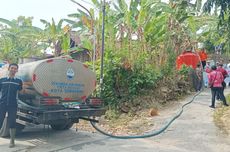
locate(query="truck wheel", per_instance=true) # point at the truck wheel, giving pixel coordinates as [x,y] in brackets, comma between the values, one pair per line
[4,131]
[62,126]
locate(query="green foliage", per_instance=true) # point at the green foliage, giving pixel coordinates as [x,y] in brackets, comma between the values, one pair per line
[222,8]
[223,11]
[143,79]
[169,67]
[184,70]
[155,29]
[112,114]
[65,42]
[19,39]
[122,82]
[209,46]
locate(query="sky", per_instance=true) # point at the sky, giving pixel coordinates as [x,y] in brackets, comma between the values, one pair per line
[39,9]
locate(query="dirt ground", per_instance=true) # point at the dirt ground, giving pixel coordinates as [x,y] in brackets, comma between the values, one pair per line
[146,112]
[144,121]
[221,117]
[226,119]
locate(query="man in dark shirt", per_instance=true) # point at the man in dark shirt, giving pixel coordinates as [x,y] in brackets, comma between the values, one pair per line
[9,87]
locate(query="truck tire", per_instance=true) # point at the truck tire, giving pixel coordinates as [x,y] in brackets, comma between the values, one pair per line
[62,126]
[5,130]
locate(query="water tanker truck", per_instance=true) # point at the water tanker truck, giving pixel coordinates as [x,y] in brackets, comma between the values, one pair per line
[55,92]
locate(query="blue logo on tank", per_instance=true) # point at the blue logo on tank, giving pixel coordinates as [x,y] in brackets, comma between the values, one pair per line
[70,73]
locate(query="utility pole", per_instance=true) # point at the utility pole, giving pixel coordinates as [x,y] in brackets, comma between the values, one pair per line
[102,47]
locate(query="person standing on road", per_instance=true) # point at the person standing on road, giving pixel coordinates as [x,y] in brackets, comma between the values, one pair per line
[228,64]
[215,80]
[206,73]
[199,75]
[227,80]
[203,57]
[225,75]
[9,87]
[208,67]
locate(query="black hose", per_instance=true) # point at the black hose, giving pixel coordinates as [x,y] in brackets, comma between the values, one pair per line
[149,134]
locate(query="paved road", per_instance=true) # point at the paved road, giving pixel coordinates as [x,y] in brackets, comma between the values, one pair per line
[194,131]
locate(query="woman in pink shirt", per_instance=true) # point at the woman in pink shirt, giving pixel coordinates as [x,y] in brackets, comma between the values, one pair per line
[215,80]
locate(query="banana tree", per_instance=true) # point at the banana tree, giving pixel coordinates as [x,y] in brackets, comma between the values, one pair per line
[53,33]
[19,38]
[84,28]
[85,23]
[221,8]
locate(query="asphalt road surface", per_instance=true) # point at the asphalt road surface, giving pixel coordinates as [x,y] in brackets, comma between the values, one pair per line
[193,131]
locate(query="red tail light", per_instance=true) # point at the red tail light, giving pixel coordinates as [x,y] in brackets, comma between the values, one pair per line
[95,101]
[49,101]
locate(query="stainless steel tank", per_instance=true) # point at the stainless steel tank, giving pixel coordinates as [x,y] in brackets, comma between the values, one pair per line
[65,78]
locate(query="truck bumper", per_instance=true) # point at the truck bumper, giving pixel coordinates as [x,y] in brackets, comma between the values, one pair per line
[50,117]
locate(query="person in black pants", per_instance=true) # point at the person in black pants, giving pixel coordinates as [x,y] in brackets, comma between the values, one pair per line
[199,75]
[225,75]
[215,82]
[9,87]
